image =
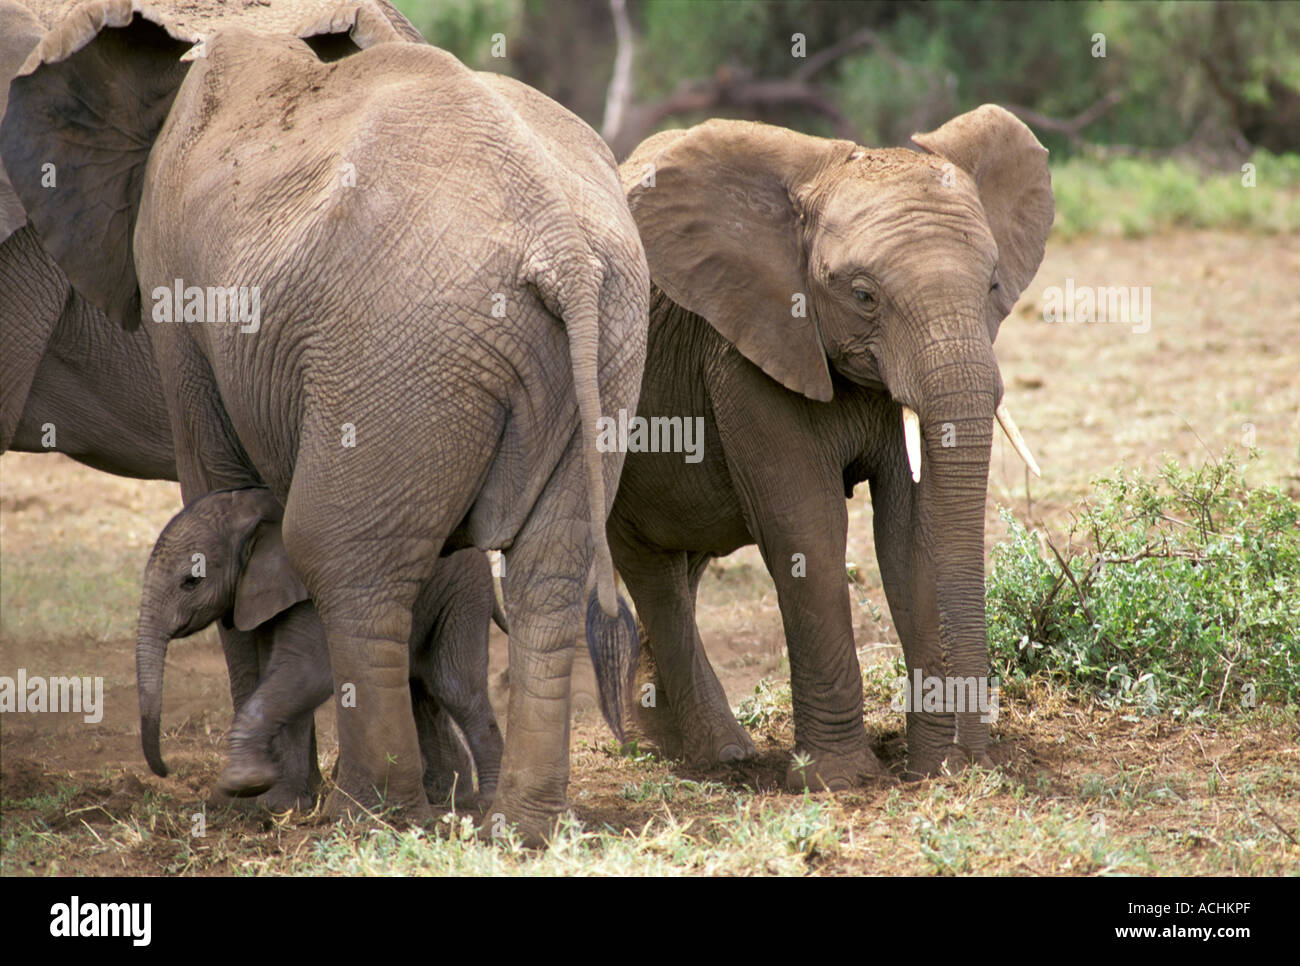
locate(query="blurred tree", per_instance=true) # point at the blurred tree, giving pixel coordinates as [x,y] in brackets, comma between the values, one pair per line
[1160,76]
[465,27]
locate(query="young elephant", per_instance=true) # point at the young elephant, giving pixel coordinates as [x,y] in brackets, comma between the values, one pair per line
[834,306]
[223,557]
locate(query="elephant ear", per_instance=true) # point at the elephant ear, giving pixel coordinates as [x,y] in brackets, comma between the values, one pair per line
[20,32]
[718,209]
[267,585]
[1009,168]
[89,101]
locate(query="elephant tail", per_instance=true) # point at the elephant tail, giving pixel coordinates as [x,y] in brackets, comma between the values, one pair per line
[571,289]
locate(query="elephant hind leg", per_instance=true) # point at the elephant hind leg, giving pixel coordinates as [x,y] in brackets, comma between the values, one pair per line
[448,768]
[699,726]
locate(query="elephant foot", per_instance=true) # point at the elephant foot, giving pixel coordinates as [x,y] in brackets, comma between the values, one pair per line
[456,790]
[531,808]
[249,775]
[830,771]
[933,762]
[284,798]
[401,802]
[725,742]
[704,738]
[531,828]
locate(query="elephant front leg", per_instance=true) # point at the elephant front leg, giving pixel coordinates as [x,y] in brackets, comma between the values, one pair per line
[831,746]
[272,742]
[796,512]
[457,675]
[702,731]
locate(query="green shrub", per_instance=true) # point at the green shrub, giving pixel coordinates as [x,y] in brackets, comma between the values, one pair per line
[1178,592]
[1135,198]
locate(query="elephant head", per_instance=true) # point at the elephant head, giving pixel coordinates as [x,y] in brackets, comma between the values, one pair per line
[221,558]
[822,261]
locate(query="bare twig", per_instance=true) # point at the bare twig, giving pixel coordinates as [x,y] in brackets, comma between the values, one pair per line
[857,40]
[1268,815]
[619,96]
[1071,126]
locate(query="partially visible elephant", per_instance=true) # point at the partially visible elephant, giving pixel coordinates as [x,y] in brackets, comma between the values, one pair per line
[74,382]
[453,290]
[222,557]
[827,312]
[52,340]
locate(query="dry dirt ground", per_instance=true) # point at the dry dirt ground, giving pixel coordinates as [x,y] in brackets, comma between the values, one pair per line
[1220,365]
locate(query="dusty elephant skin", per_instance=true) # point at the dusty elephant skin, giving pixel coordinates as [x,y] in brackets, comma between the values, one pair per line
[387,406]
[245,579]
[73,382]
[829,311]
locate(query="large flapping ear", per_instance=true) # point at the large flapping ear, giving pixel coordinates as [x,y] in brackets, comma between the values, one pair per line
[20,32]
[267,584]
[82,116]
[89,101]
[1009,168]
[718,213]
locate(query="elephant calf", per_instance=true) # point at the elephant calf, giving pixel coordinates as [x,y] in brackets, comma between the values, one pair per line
[223,557]
[827,313]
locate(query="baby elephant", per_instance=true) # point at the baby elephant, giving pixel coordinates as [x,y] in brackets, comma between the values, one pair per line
[223,557]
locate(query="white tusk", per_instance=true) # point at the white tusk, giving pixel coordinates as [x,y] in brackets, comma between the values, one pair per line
[1017,441]
[912,440]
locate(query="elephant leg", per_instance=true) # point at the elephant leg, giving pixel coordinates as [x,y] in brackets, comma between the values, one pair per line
[796,512]
[455,671]
[663,586]
[546,588]
[293,747]
[448,767]
[273,737]
[364,570]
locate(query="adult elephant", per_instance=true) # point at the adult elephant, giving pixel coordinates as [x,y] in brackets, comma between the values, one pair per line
[48,331]
[450,287]
[73,382]
[828,313]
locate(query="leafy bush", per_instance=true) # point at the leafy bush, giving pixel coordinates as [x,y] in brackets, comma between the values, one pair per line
[1183,595]
[1135,198]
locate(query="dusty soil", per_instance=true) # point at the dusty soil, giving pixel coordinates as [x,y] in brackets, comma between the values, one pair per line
[1217,367]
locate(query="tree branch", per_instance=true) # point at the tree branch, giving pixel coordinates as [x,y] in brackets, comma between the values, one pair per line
[1071,127]
[618,99]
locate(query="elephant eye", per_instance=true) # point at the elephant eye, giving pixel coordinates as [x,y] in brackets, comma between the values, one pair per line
[864,296]
[189,582]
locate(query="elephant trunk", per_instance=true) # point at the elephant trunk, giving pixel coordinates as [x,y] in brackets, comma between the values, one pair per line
[958,395]
[150,656]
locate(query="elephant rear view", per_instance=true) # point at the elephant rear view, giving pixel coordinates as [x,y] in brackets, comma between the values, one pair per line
[399,294]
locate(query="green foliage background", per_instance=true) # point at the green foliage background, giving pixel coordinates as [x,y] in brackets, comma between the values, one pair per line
[932,60]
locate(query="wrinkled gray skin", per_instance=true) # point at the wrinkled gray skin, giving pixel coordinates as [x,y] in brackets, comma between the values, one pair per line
[73,382]
[246,581]
[70,381]
[908,263]
[472,192]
